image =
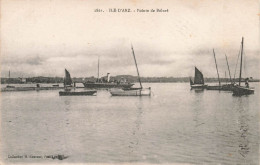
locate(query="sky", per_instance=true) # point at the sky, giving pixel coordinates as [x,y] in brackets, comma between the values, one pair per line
[42,38]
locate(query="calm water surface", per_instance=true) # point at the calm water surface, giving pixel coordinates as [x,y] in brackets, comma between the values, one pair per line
[175,125]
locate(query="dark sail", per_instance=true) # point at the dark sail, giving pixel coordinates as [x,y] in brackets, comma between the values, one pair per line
[191,82]
[67,80]
[198,77]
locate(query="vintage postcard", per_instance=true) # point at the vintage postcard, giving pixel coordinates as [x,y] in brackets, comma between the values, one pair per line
[130,82]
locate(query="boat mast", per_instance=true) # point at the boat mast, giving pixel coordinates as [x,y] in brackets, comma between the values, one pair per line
[136,67]
[228,69]
[64,82]
[216,67]
[9,75]
[225,77]
[98,68]
[241,61]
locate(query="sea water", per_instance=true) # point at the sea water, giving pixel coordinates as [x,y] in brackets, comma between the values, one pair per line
[174,125]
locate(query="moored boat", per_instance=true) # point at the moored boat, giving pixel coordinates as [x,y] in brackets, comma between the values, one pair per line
[239,90]
[132,91]
[215,87]
[242,90]
[76,93]
[198,80]
[229,86]
[68,88]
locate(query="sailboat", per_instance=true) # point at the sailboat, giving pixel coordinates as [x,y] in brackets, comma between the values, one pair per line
[106,83]
[239,90]
[68,86]
[215,87]
[228,86]
[67,80]
[198,80]
[133,91]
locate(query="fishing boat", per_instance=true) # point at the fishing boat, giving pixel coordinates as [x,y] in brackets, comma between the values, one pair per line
[76,93]
[198,80]
[215,87]
[140,91]
[228,86]
[69,90]
[239,90]
[106,83]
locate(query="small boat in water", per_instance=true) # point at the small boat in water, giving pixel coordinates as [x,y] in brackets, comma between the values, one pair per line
[215,87]
[228,86]
[132,91]
[239,90]
[68,88]
[76,93]
[198,80]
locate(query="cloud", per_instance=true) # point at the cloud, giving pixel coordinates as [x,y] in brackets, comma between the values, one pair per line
[35,61]
[29,60]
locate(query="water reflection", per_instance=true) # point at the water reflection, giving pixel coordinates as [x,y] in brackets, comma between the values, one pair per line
[134,142]
[243,121]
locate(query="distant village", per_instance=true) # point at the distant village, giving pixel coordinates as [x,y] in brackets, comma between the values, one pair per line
[129,78]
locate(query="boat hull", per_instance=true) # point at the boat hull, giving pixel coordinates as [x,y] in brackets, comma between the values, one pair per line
[74,93]
[227,87]
[198,86]
[106,85]
[140,92]
[239,91]
[214,87]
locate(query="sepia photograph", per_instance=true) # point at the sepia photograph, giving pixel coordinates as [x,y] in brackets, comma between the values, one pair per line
[130,82]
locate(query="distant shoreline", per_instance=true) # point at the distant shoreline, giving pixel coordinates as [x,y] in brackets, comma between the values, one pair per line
[128,78]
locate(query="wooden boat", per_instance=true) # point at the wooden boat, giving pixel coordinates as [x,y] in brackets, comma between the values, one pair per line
[228,87]
[239,90]
[133,91]
[198,80]
[68,88]
[242,90]
[106,83]
[76,93]
[215,87]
